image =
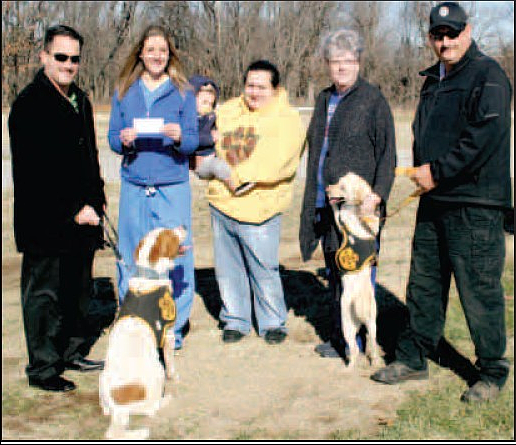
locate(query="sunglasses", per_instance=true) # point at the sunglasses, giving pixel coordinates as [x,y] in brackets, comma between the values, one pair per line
[440,35]
[60,57]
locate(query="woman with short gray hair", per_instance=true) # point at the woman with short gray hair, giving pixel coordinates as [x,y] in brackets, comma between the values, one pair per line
[343,40]
[351,130]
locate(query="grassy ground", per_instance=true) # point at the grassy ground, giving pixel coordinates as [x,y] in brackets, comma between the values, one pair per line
[252,391]
[437,413]
[352,408]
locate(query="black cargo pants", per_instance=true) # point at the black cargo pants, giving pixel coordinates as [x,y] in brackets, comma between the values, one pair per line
[468,242]
[55,294]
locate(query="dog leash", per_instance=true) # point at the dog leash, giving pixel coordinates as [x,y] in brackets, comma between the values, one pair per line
[399,171]
[405,171]
[415,194]
[112,241]
[111,238]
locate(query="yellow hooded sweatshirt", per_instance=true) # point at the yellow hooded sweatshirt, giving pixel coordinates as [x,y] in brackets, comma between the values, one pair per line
[272,164]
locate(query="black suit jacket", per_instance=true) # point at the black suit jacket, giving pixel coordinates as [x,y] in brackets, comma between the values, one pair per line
[55,169]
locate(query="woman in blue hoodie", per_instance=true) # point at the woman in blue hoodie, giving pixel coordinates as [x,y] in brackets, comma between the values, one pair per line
[153,125]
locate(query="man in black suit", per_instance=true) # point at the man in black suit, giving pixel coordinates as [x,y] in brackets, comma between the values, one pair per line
[58,199]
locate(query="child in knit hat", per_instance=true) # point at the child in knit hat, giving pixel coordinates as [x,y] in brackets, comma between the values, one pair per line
[203,161]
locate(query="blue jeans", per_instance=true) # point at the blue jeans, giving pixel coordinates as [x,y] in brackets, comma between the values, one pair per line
[247,260]
[143,209]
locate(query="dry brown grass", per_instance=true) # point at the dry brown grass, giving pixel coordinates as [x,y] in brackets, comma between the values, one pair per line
[245,391]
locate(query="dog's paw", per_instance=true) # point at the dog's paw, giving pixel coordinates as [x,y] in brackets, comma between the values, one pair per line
[350,365]
[375,362]
[124,434]
[174,377]
[139,434]
[165,401]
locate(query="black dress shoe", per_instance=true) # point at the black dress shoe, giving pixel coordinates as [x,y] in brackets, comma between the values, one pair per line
[275,336]
[231,336]
[85,365]
[54,383]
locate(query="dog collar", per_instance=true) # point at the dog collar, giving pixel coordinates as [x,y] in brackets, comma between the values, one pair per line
[150,274]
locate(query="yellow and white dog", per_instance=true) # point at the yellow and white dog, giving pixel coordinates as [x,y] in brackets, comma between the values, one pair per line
[354,259]
[133,379]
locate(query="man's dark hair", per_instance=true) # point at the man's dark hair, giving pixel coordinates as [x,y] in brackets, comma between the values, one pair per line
[264,65]
[61,30]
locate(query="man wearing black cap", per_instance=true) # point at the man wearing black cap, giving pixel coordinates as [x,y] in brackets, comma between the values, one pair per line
[462,158]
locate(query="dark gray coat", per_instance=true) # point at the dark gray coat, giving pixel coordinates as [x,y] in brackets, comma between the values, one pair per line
[361,140]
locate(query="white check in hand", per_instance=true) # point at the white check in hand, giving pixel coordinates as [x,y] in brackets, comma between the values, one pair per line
[148,125]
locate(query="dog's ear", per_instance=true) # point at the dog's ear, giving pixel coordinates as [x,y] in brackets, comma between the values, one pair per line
[165,246]
[180,231]
[138,250]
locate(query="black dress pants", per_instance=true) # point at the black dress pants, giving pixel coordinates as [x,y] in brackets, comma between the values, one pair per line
[468,242]
[55,294]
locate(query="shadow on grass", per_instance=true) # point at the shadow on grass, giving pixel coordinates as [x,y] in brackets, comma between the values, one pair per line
[308,295]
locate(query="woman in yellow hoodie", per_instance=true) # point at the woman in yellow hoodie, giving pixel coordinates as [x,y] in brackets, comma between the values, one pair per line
[261,136]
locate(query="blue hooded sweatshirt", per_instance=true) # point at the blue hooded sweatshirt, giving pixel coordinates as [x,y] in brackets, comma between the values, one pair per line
[155,159]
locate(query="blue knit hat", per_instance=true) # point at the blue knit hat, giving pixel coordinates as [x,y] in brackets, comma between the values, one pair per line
[199,81]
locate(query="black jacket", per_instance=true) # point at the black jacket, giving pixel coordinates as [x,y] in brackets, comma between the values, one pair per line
[361,139]
[55,169]
[207,123]
[462,128]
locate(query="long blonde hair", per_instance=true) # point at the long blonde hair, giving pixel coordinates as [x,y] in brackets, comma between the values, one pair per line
[133,67]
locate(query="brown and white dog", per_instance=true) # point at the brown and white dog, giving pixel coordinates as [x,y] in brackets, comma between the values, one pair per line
[354,259]
[133,379]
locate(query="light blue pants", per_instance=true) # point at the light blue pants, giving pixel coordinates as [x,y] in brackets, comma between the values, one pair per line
[143,209]
[247,260]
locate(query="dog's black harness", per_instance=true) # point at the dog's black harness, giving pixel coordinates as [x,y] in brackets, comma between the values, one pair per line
[354,253]
[156,308]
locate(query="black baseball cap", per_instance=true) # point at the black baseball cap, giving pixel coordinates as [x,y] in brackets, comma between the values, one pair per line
[448,14]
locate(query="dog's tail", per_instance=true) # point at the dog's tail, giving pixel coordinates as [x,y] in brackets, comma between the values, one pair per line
[129,393]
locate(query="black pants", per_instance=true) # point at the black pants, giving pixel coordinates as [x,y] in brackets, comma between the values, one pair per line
[55,293]
[468,242]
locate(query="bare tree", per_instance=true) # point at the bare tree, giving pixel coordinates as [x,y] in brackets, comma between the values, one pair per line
[220,38]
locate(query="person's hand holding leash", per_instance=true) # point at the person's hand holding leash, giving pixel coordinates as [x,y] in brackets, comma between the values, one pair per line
[369,204]
[173,131]
[87,215]
[127,136]
[422,177]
